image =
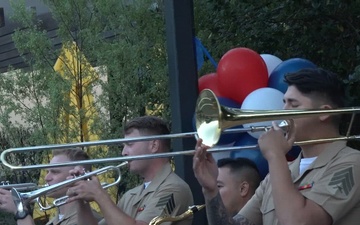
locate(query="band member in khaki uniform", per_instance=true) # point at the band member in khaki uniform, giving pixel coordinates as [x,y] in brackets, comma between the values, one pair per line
[69,218]
[237,181]
[320,187]
[66,214]
[158,197]
[162,193]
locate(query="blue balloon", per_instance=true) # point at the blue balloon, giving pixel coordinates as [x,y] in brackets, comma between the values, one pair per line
[252,154]
[276,79]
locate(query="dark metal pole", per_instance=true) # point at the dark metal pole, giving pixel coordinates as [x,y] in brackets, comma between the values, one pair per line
[179,18]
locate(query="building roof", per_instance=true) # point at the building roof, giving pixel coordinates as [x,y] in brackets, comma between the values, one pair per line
[9,55]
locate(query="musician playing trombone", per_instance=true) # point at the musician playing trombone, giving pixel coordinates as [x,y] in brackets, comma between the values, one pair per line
[320,187]
[162,193]
[66,214]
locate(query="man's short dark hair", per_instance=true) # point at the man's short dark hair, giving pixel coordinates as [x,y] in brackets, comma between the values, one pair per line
[150,125]
[74,154]
[243,167]
[322,85]
[319,82]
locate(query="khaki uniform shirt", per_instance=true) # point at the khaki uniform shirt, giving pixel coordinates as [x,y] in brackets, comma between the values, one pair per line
[332,181]
[69,218]
[167,194]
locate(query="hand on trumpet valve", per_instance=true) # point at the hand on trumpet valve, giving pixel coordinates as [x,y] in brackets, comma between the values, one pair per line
[77,171]
[71,192]
[274,143]
[86,190]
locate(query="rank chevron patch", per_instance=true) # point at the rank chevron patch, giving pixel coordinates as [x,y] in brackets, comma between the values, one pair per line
[167,201]
[343,181]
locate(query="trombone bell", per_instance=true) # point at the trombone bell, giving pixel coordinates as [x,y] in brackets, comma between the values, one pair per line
[212,118]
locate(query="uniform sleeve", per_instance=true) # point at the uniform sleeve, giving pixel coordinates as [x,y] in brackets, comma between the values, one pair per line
[252,209]
[171,200]
[338,189]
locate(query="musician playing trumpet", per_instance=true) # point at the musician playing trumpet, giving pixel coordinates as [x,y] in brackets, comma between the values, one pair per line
[66,214]
[162,191]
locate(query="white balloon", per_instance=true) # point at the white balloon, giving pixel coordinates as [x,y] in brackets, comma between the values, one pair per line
[271,62]
[262,99]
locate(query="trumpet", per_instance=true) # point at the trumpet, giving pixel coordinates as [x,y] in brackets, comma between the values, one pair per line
[212,119]
[28,197]
[21,187]
[60,201]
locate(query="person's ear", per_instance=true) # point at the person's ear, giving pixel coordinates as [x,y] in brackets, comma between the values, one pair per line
[244,188]
[325,117]
[154,146]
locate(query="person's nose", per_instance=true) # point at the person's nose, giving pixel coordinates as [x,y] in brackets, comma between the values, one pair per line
[125,151]
[48,178]
[286,106]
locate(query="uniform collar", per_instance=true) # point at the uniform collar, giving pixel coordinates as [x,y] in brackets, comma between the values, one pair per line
[328,154]
[162,174]
[324,158]
[71,210]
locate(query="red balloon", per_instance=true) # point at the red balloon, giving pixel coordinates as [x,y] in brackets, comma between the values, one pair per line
[241,71]
[209,81]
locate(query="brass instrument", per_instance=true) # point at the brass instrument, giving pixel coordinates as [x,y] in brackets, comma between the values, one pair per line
[35,195]
[161,219]
[212,119]
[4,153]
[21,187]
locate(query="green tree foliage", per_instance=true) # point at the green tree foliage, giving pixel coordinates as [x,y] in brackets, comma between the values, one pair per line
[326,32]
[124,39]
[127,39]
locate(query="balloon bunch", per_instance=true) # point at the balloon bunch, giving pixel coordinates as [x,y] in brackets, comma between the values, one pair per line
[245,79]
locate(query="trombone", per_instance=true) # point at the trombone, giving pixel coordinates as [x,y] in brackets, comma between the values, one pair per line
[28,197]
[212,119]
[3,156]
